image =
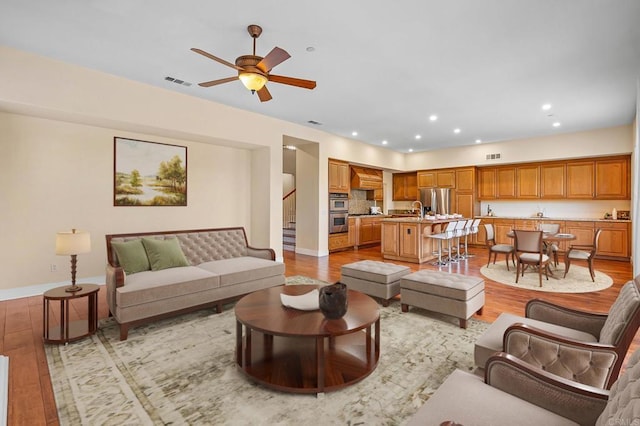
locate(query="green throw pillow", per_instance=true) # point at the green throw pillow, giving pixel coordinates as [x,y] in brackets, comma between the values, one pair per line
[164,254]
[131,256]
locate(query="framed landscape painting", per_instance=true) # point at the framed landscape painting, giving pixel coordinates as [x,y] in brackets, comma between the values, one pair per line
[149,173]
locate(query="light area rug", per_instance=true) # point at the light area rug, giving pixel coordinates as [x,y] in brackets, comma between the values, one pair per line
[182,371]
[578,279]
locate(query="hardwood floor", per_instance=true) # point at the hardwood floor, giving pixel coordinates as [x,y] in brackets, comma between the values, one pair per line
[31,400]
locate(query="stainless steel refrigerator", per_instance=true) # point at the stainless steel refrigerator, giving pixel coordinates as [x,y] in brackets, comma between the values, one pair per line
[436,200]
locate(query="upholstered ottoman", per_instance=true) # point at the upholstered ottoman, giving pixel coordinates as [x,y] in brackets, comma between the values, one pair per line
[452,294]
[377,279]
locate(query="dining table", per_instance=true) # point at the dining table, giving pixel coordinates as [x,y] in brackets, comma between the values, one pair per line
[550,237]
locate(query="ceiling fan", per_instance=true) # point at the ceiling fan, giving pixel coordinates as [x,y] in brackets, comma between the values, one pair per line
[254,71]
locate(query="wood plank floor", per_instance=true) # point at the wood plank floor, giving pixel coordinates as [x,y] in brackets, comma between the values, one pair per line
[31,400]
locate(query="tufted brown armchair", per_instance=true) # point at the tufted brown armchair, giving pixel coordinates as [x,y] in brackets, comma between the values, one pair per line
[585,347]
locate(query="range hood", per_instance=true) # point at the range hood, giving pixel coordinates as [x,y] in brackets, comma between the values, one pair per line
[365,178]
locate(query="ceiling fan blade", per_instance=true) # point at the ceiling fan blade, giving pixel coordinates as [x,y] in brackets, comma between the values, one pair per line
[275,57]
[215,58]
[216,82]
[298,82]
[264,94]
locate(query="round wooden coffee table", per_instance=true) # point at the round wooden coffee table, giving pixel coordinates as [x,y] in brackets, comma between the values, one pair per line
[302,351]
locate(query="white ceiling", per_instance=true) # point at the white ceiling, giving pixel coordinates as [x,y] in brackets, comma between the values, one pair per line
[382,67]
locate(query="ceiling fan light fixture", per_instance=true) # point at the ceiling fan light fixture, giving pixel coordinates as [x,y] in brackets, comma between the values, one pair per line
[253,81]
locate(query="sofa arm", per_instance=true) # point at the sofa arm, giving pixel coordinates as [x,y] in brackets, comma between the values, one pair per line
[580,403]
[263,253]
[588,322]
[115,278]
[586,363]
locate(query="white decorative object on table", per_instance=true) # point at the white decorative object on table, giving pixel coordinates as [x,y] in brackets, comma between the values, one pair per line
[304,302]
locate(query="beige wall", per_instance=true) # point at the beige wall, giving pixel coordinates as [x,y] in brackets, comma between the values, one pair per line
[55,176]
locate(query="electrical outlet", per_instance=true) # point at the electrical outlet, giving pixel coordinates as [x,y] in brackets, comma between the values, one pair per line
[53,267]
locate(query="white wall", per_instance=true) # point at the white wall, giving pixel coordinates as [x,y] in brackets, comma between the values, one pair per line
[55,176]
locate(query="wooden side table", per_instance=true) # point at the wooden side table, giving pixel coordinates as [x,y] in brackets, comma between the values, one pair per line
[69,331]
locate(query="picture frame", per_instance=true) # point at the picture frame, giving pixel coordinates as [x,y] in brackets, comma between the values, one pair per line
[148,173]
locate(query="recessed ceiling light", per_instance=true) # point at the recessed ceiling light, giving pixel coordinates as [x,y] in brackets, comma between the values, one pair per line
[546,107]
[354,133]
[556,124]
[384,142]
[311,49]
[410,149]
[418,137]
[478,140]
[456,131]
[433,117]
[290,147]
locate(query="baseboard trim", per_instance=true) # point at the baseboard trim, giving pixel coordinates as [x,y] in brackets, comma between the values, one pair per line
[315,253]
[39,289]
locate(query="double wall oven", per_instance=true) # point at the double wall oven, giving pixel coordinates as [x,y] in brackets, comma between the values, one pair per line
[338,212]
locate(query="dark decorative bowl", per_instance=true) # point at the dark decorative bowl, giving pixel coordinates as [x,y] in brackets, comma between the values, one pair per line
[333,300]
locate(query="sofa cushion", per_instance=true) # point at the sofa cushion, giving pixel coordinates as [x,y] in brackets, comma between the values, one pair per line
[620,313]
[132,256]
[149,286]
[242,269]
[466,399]
[164,254]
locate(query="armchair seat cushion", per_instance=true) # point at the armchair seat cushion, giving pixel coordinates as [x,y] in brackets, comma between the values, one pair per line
[466,399]
[579,254]
[502,248]
[492,340]
[533,257]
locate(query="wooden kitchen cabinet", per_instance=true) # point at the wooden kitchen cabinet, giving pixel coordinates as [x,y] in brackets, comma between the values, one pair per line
[612,179]
[527,182]
[481,237]
[338,241]
[486,183]
[580,179]
[390,240]
[339,176]
[501,228]
[369,231]
[376,194]
[553,181]
[506,182]
[614,239]
[408,241]
[352,231]
[405,186]
[583,230]
[465,180]
[464,204]
[437,179]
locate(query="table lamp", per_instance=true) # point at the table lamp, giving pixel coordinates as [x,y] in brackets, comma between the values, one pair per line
[73,243]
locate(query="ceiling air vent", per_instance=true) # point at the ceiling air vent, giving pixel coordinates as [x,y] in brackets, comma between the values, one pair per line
[493,156]
[178,81]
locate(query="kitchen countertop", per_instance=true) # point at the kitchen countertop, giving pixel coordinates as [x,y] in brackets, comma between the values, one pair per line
[575,219]
[418,220]
[369,215]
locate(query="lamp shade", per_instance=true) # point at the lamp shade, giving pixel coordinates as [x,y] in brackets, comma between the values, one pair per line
[73,242]
[252,81]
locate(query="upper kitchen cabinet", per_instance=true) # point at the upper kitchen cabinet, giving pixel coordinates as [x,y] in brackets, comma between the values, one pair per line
[365,178]
[486,183]
[506,182]
[612,179]
[553,180]
[405,186]
[580,179]
[338,176]
[437,179]
[527,183]
[465,180]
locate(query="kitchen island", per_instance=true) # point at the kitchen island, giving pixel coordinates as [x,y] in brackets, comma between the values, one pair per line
[407,238]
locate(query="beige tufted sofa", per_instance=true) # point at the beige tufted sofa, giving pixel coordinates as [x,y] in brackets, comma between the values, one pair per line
[221,267]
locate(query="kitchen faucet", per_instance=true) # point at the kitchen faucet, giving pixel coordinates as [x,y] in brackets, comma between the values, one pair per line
[421,208]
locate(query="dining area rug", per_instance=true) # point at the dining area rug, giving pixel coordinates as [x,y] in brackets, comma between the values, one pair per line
[182,371]
[578,279]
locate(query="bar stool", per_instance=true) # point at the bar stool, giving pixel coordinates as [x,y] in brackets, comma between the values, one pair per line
[449,235]
[475,227]
[458,233]
[466,232]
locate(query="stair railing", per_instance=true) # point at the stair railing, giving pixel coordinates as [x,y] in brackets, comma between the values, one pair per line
[289,210]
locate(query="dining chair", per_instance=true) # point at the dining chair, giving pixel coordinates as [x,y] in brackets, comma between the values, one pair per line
[494,248]
[583,252]
[530,252]
[552,248]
